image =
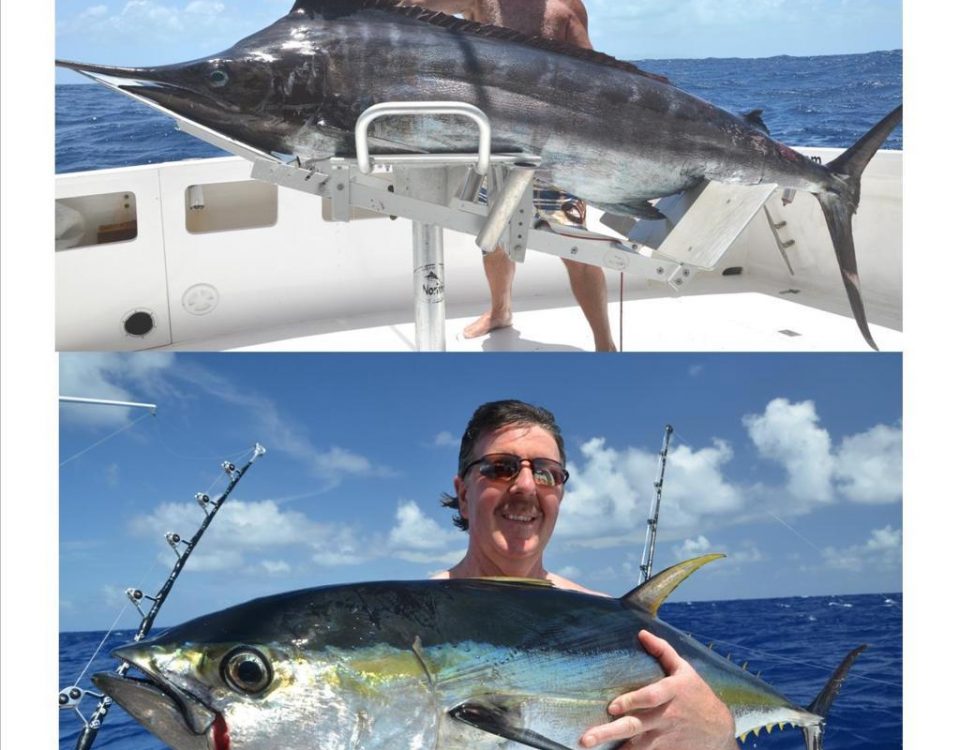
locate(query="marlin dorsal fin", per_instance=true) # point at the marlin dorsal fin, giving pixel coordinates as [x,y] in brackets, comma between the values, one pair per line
[649,595]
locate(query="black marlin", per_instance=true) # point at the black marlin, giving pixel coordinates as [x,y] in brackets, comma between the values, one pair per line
[607,132]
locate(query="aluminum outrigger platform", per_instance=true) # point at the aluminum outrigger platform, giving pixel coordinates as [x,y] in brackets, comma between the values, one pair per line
[440,191]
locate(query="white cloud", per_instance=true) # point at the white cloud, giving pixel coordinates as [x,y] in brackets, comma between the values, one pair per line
[275,567]
[112,475]
[446,440]
[245,530]
[790,435]
[151,376]
[572,572]
[883,551]
[747,554]
[281,432]
[609,497]
[693,548]
[416,537]
[869,466]
[337,460]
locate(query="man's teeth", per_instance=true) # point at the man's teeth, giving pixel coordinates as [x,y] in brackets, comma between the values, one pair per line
[518,517]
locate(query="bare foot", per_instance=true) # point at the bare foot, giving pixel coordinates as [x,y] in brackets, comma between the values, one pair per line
[486,323]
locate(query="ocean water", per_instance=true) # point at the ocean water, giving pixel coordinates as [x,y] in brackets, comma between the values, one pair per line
[795,643]
[806,101]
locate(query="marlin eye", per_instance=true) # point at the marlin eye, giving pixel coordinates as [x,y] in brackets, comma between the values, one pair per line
[246,670]
[219,77]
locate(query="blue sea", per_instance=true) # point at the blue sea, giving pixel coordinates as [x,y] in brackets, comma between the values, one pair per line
[795,643]
[806,101]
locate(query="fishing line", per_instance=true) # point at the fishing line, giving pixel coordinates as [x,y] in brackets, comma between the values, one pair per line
[621,311]
[105,439]
[71,696]
[766,510]
[123,608]
[800,536]
[171,451]
[798,662]
[99,648]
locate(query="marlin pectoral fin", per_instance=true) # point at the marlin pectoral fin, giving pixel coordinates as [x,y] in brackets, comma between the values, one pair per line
[647,210]
[497,720]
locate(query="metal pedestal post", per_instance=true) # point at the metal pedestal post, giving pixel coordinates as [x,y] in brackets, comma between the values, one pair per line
[428,276]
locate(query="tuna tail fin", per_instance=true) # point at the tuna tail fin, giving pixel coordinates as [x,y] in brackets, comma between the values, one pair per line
[813,735]
[650,594]
[840,204]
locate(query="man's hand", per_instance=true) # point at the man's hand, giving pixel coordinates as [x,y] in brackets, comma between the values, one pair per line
[679,712]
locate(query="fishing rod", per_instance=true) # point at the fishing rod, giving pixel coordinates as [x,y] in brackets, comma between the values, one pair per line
[646,559]
[70,697]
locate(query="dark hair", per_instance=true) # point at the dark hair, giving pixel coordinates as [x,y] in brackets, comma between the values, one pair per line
[492,416]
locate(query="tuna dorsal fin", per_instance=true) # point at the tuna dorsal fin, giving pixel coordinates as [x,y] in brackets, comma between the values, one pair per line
[453,23]
[650,594]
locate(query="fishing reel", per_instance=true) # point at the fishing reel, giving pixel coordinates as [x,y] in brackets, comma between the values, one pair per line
[136,596]
[174,540]
[71,697]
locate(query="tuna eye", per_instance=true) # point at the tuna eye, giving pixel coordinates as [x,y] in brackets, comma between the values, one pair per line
[246,670]
[219,78]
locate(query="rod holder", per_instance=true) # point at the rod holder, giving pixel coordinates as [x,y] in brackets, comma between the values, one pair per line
[471,186]
[505,204]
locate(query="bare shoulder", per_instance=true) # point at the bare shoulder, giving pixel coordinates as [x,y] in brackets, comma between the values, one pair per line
[577,9]
[441,576]
[565,583]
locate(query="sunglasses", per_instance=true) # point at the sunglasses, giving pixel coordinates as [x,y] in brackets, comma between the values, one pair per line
[505,467]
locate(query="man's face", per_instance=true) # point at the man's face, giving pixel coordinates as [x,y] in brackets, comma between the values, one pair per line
[510,521]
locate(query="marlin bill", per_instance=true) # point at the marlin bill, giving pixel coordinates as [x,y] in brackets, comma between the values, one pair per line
[606,131]
[424,665]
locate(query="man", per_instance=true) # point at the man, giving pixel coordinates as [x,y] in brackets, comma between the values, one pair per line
[563,20]
[508,487]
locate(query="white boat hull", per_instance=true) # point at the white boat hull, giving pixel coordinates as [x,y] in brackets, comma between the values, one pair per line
[300,282]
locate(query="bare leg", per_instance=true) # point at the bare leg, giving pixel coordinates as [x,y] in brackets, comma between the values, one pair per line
[590,289]
[499,270]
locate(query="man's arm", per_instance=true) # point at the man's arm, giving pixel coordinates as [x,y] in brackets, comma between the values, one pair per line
[679,712]
[576,27]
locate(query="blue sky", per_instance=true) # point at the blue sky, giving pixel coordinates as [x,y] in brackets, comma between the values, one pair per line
[788,464]
[152,32]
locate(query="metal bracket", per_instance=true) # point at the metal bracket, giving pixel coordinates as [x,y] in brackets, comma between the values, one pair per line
[289,176]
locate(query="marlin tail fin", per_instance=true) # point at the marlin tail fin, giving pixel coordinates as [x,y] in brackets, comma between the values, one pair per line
[840,203]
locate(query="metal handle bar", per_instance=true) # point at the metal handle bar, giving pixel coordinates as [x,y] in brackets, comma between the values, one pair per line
[385,109]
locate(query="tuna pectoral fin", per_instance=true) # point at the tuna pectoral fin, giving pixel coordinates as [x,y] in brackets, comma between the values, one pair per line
[813,735]
[650,594]
[839,216]
[489,717]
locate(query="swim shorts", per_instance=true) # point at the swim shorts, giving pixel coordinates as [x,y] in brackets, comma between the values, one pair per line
[554,206]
